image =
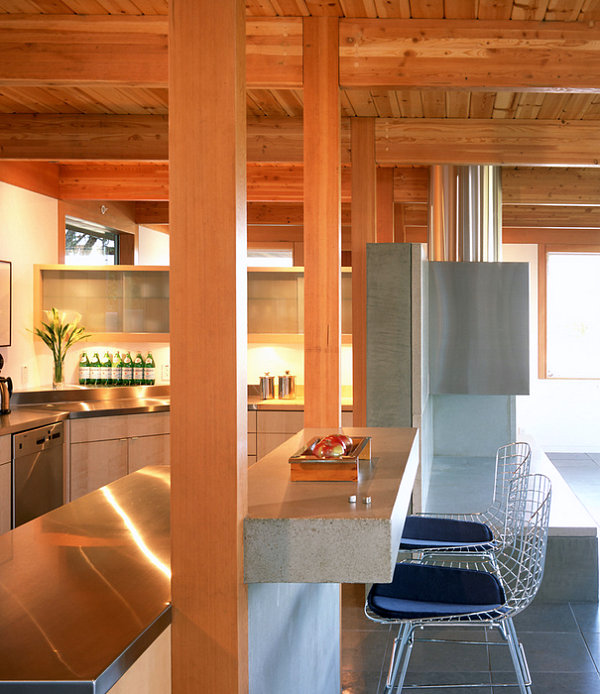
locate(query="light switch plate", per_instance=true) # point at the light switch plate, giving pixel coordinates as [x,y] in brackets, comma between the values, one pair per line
[166,372]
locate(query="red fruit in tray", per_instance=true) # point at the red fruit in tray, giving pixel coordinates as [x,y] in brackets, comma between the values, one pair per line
[346,441]
[328,449]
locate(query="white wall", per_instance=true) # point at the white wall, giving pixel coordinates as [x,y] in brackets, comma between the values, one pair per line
[562,415]
[29,236]
[153,247]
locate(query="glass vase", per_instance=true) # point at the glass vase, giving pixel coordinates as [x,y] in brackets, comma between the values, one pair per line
[58,374]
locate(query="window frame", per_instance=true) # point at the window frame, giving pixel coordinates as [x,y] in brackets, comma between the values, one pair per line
[543,251]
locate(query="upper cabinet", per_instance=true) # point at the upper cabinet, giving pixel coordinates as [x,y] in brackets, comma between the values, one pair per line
[276,304]
[128,301]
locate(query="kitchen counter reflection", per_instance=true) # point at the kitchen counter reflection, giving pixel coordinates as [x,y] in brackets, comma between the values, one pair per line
[85,589]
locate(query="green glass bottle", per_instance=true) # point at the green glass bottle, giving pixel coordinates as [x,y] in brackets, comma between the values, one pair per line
[84,369]
[127,369]
[149,370]
[138,370]
[105,371]
[95,368]
[116,370]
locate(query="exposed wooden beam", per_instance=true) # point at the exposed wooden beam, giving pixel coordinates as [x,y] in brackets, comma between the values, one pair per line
[76,49]
[36,176]
[461,54]
[553,186]
[399,142]
[530,216]
[50,50]
[114,181]
[77,137]
[487,141]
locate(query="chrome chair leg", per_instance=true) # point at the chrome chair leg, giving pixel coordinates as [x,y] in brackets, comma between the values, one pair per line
[517,655]
[398,654]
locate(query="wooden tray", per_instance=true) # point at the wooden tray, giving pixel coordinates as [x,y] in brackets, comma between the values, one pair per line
[307,467]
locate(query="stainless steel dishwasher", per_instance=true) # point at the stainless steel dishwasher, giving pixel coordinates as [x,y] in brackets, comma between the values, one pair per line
[38,472]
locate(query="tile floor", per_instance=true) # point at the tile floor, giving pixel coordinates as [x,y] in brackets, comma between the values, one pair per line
[561,640]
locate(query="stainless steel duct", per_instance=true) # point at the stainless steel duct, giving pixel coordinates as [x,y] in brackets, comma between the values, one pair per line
[465,213]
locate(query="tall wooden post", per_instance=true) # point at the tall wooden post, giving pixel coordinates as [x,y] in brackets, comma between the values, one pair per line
[385,204]
[364,223]
[207,148]
[322,239]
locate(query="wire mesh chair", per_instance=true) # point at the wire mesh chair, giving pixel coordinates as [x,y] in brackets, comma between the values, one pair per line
[482,531]
[467,590]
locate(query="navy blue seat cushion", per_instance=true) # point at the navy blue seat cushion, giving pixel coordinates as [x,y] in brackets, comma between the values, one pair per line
[421,532]
[429,591]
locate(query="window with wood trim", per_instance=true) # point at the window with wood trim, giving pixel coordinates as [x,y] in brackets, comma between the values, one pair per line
[87,243]
[569,312]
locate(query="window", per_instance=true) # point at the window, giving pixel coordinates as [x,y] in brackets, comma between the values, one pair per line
[90,244]
[572,325]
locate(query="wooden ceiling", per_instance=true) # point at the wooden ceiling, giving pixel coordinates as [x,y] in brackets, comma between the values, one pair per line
[380,102]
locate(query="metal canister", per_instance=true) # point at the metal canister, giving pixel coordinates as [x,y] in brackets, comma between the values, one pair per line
[267,386]
[287,386]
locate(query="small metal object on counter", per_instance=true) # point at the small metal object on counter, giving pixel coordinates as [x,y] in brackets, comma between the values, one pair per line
[352,499]
[5,391]
[366,500]
[287,386]
[267,386]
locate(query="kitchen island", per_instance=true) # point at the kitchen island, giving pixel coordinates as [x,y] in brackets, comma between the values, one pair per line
[86,587]
[302,540]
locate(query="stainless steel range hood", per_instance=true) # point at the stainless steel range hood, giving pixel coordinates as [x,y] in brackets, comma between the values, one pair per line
[478,306]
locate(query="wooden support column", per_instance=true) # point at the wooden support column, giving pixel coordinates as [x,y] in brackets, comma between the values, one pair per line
[322,243]
[385,204]
[364,230]
[207,139]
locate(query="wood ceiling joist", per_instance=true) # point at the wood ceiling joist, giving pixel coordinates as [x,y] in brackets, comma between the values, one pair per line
[76,137]
[462,54]
[484,141]
[558,187]
[131,50]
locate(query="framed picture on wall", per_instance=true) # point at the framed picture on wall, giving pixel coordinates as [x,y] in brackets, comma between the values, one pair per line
[5,302]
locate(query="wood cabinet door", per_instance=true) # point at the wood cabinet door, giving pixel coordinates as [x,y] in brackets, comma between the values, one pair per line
[148,450]
[96,463]
[5,497]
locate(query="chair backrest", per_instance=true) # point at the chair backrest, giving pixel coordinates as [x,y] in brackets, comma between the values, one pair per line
[512,460]
[521,563]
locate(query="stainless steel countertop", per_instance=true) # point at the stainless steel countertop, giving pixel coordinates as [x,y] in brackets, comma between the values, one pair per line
[85,589]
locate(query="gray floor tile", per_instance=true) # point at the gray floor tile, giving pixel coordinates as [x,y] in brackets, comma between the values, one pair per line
[541,616]
[456,658]
[559,683]
[547,652]
[587,615]
[364,651]
[595,457]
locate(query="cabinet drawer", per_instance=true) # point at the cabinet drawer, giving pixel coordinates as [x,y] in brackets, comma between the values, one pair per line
[5,496]
[5,449]
[119,426]
[148,450]
[267,442]
[278,421]
[252,443]
[96,463]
